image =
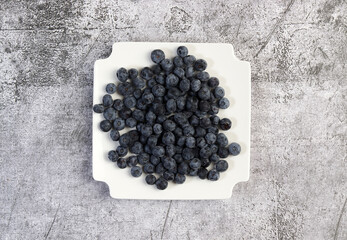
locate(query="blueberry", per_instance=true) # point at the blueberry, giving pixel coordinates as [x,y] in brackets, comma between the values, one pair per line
[169,125]
[138,83]
[129,102]
[194,121]
[183,168]
[210,138]
[181,141]
[195,163]
[143,158]
[157,55]
[158,151]
[136,148]
[119,124]
[158,108]
[192,104]
[146,130]
[188,130]
[178,61]
[107,100]
[114,134]
[222,165]
[156,69]
[202,76]
[147,149]
[179,178]
[200,114]
[219,92]
[141,105]
[152,141]
[122,151]
[178,158]
[122,74]
[148,168]
[154,160]
[190,142]
[158,90]
[170,150]
[171,106]
[214,148]
[121,163]
[189,60]
[193,172]
[118,104]
[136,171]
[125,89]
[222,140]
[173,93]
[225,124]
[168,138]
[124,140]
[151,83]
[150,179]
[202,173]
[199,132]
[161,183]
[190,72]
[213,129]
[187,154]
[214,157]
[137,93]
[138,115]
[205,152]
[125,113]
[159,169]
[130,122]
[110,114]
[204,106]
[150,117]
[98,108]
[182,51]
[167,65]
[169,163]
[200,142]
[160,78]
[204,93]
[157,128]
[234,149]
[195,85]
[214,109]
[223,152]
[180,119]
[223,103]
[213,82]
[146,73]
[133,73]
[168,176]
[171,80]
[105,125]
[205,122]
[214,119]
[131,161]
[200,65]
[113,156]
[148,98]
[213,175]
[181,103]
[179,72]
[134,135]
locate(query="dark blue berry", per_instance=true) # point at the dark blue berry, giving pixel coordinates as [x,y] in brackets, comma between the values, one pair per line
[223,152]
[111,88]
[119,124]
[178,61]
[131,161]
[98,108]
[146,73]
[130,122]
[160,78]
[158,151]
[222,165]
[150,117]
[113,156]
[225,124]
[213,82]
[184,85]
[171,106]
[205,122]
[114,134]
[150,179]
[204,106]
[214,109]
[214,157]
[188,130]
[195,163]
[157,56]
[161,183]
[107,100]
[151,83]
[148,168]
[193,172]
[138,83]
[190,142]
[222,140]
[174,93]
[210,138]
[168,176]
[170,150]
[110,114]
[187,154]
[136,171]
[138,115]
[105,125]
[200,65]
[213,175]
[158,90]
[214,119]
[168,138]
[214,148]
[183,168]
[202,173]
[122,74]
[179,72]
[124,140]
[136,148]
[181,141]
[125,113]
[125,89]
[171,80]
[223,103]
[234,149]
[169,125]
[156,69]
[167,65]
[195,85]
[159,169]
[190,72]
[205,152]
[189,60]
[204,93]
[122,151]
[219,92]
[121,163]
[118,104]
[182,51]
[202,76]
[143,158]
[154,160]
[157,128]
[133,73]
[179,178]
[200,142]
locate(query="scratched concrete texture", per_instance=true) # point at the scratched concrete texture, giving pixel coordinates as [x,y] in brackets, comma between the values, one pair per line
[298,181]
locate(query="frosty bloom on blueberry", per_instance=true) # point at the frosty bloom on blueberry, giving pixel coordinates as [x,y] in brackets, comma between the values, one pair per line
[167,120]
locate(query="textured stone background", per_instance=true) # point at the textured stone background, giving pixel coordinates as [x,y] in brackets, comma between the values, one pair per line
[298,183]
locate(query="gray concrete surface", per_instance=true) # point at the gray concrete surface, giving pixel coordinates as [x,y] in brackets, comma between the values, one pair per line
[297,188]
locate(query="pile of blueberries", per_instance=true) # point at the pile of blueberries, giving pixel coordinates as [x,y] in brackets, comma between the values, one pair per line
[171,109]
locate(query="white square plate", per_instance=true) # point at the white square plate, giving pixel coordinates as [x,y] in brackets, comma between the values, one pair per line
[235,78]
